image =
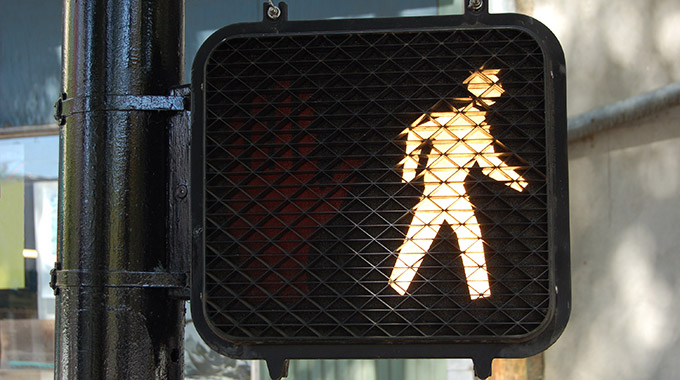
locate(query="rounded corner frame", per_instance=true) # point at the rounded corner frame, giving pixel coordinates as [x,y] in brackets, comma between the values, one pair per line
[556,142]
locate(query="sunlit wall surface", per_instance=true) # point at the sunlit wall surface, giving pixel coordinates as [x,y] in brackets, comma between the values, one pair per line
[625,207]
[615,49]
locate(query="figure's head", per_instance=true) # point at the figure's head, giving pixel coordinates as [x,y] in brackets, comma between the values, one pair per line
[484,85]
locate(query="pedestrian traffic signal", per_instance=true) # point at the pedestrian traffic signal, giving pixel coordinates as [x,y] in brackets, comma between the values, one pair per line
[458,140]
[380,188]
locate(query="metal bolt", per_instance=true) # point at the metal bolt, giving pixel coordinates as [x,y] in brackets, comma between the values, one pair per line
[475,4]
[59,109]
[273,12]
[181,191]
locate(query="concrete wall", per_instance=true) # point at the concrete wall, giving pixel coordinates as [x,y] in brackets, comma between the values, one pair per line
[625,218]
[615,49]
[624,192]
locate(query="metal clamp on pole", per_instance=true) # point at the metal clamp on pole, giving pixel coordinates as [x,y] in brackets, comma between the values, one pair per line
[53,277]
[65,107]
[117,279]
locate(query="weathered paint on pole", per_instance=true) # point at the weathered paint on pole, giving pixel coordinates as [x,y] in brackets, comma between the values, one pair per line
[113,179]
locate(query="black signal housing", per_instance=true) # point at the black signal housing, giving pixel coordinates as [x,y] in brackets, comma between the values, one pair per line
[299,207]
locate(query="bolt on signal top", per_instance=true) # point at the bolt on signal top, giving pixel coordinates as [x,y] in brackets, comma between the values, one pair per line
[457,140]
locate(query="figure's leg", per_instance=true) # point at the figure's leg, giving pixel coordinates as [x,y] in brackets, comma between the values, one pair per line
[417,242]
[471,246]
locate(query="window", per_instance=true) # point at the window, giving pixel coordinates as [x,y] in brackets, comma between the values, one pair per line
[28,233]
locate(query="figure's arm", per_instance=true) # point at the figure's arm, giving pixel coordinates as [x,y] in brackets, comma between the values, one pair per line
[410,161]
[495,168]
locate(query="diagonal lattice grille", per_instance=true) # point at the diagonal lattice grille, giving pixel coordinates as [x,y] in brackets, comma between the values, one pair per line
[306,208]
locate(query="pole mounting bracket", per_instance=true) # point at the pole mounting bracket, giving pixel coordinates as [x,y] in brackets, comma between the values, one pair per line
[116,279]
[65,106]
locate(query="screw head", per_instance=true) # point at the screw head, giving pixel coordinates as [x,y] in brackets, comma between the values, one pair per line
[475,4]
[181,192]
[273,12]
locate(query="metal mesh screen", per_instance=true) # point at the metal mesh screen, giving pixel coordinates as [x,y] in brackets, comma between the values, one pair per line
[306,207]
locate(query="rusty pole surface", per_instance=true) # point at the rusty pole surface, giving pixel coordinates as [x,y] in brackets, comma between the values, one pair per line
[113,193]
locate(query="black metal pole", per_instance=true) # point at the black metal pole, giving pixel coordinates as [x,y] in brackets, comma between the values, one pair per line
[116,318]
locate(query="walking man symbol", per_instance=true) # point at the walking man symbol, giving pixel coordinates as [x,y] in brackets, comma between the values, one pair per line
[457,140]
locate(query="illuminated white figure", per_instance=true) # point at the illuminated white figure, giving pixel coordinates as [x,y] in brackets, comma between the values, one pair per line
[457,140]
